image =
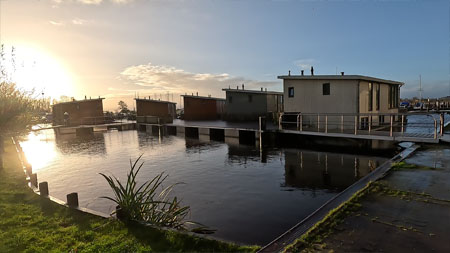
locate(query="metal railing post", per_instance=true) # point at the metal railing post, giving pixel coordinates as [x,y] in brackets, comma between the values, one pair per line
[342,123]
[403,124]
[318,123]
[326,123]
[279,122]
[356,124]
[301,122]
[392,123]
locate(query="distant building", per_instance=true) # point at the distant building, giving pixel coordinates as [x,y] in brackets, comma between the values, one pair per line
[79,112]
[327,94]
[149,111]
[203,108]
[246,105]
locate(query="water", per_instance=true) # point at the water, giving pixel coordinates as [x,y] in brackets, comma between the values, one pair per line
[249,196]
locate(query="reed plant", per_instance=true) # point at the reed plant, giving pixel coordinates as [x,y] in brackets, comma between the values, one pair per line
[149,202]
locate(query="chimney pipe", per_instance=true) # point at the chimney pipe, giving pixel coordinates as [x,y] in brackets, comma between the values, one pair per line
[312,70]
[85,97]
[289,73]
[342,73]
[197,93]
[261,88]
[242,86]
[303,72]
[237,87]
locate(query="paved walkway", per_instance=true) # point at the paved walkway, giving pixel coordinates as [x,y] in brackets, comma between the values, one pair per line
[414,216]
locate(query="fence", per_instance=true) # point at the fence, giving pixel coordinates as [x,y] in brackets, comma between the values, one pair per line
[425,125]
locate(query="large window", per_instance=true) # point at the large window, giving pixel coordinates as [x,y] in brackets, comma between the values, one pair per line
[326,89]
[370,107]
[394,91]
[291,92]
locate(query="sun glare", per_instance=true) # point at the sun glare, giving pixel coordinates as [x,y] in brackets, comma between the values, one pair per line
[39,151]
[36,69]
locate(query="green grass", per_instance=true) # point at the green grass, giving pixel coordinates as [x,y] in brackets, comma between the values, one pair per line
[30,223]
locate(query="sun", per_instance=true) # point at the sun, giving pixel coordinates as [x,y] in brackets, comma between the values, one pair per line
[35,69]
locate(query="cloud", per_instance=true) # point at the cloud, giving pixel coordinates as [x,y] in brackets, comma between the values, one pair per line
[79,21]
[161,79]
[305,63]
[56,23]
[93,2]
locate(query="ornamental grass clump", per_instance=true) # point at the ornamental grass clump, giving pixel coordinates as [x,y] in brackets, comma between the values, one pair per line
[149,202]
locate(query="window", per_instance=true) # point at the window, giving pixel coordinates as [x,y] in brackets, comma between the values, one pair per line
[291,92]
[370,107]
[378,97]
[326,89]
[393,96]
[250,98]
[230,99]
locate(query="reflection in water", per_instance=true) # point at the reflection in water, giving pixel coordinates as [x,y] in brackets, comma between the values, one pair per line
[320,170]
[249,195]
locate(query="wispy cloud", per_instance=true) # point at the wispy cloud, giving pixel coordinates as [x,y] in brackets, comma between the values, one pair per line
[79,21]
[305,63]
[92,2]
[159,78]
[56,23]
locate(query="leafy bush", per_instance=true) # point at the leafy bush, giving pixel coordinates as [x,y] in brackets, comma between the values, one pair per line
[149,202]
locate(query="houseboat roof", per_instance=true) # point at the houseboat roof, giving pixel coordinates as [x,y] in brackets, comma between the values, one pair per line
[254,91]
[154,101]
[339,77]
[203,97]
[79,101]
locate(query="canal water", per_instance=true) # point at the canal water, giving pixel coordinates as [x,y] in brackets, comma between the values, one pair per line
[249,196]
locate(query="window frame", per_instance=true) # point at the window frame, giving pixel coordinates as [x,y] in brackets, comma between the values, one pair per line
[289,92]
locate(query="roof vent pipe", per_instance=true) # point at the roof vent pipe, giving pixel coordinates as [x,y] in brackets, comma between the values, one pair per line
[303,72]
[85,97]
[242,86]
[261,88]
[197,93]
[289,73]
[312,70]
[342,73]
[237,87]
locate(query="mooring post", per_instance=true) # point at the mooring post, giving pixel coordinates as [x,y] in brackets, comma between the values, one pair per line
[33,180]
[392,124]
[72,199]
[403,123]
[43,188]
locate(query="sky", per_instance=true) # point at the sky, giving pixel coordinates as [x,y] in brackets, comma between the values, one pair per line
[118,49]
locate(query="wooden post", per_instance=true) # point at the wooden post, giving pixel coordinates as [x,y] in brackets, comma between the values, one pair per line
[435,128]
[370,123]
[326,123]
[43,188]
[72,199]
[356,124]
[392,124]
[33,180]
[441,124]
[342,123]
[403,124]
[298,123]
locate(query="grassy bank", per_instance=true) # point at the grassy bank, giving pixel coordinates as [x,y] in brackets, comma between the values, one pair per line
[30,223]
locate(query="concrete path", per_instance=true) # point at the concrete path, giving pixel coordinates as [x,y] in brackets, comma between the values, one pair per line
[413,217]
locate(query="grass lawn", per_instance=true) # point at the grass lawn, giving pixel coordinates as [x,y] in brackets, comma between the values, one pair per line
[30,223]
